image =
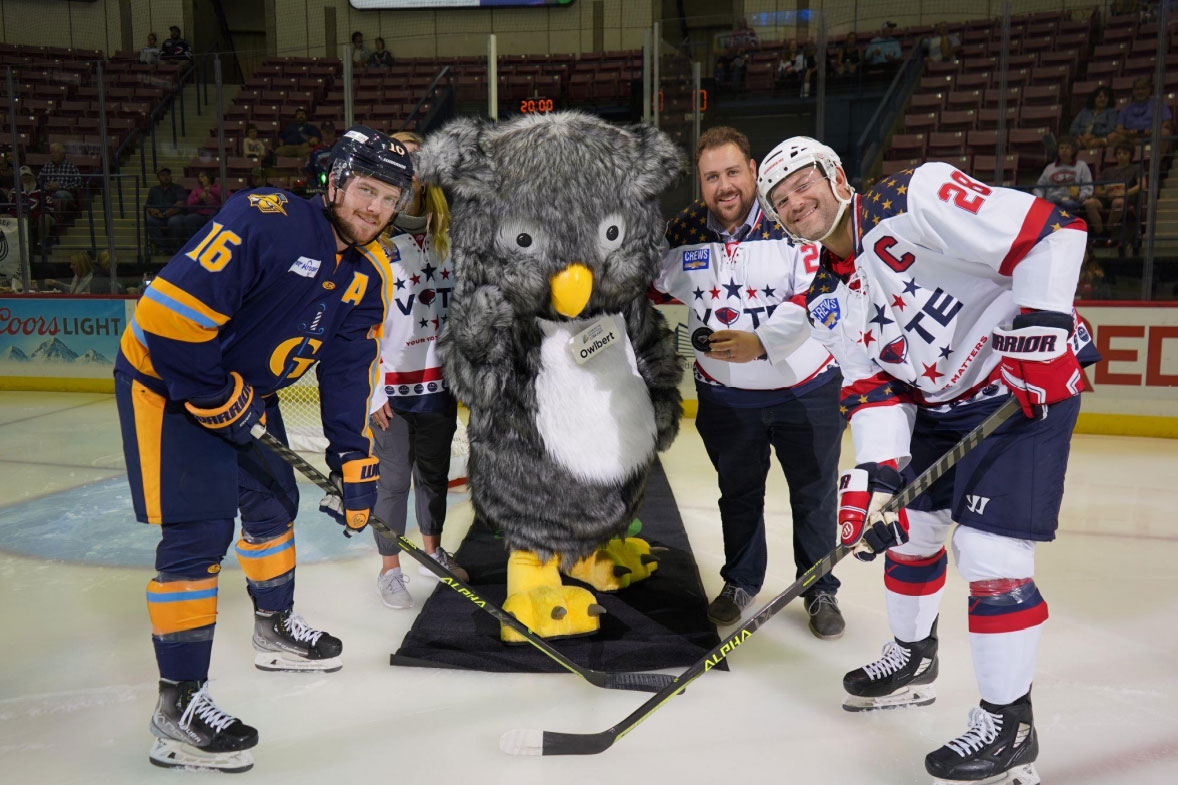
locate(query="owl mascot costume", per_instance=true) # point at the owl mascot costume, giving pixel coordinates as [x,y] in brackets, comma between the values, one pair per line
[569,372]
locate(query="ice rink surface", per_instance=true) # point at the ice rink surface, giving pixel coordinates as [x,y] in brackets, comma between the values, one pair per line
[78,681]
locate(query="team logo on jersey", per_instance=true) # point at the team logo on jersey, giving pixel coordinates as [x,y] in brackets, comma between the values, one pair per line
[426,296]
[306,267]
[895,352]
[727,315]
[696,259]
[269,203]
[826,312]
[393,253]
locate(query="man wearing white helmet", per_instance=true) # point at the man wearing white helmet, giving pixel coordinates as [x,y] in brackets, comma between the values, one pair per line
[744,286]
[940,297]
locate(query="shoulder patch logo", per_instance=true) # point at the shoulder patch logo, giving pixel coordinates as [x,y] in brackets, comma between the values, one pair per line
[269,203]
[826,311]
[696,259]
[305,267]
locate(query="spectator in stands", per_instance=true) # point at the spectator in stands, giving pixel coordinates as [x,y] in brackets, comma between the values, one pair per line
[848,58]
[319,159]
[256,178]
[792,64]
[175,47]
[1092,284]
[38,207]
[1122,184]
[296,137]
[360,55]
[60,177]
[203,203]
[1067,182]
[165,213]
[150,54]
[1135,121]
[82,266]
[103,283]
[1095,125]
[381,58]
[251,145]
[810,74]
[883,51]
[943,45]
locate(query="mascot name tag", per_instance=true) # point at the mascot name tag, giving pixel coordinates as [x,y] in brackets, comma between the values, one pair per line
[595,339]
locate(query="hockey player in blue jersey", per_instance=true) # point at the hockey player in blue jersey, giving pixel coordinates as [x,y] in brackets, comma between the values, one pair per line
[273,285]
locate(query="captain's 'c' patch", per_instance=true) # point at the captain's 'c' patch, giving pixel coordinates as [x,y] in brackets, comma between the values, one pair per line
[269,203]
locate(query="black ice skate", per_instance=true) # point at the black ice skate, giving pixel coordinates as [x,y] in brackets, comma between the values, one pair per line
[1000,747]
[192,733]
[903,676]
[285,642]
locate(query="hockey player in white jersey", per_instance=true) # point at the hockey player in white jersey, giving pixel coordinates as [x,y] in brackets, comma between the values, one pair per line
[940,297]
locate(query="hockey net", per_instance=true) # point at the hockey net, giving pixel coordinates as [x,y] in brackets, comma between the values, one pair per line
[304,428]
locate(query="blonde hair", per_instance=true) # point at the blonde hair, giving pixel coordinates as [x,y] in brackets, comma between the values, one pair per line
[437,209]
[83,262]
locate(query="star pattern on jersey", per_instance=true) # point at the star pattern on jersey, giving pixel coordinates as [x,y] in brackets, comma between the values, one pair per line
[931,373]
[399,283]
[887,198]
[445,274]
[946,351]
[416,279]
[715,293]
[898,302]
[768,290]
[429,271]
[866,338]
[733,289]
[699,293]
[423,322]
[879,317]
[910,286]
[751,292]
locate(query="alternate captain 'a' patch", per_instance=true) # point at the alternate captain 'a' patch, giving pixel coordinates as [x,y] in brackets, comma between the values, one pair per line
[269,203]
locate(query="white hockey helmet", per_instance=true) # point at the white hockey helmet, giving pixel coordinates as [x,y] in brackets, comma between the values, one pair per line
[793,155]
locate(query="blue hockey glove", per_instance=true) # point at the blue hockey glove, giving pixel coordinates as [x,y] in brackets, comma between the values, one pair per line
[352,506]
[232,412]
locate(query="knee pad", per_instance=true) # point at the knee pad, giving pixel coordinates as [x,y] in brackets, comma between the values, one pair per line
[926,533]
[982,556]
[267,562]
[915,576]
[182,609]
[1005,605]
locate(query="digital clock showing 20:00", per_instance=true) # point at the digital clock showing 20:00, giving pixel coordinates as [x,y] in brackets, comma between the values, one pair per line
[536,105]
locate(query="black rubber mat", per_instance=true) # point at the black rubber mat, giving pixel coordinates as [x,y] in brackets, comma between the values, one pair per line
[660,622]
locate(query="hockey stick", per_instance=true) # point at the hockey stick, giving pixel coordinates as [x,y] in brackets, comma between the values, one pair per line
[640,682]
[525,741]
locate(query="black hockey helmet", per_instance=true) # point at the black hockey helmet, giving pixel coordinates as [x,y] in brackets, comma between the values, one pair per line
[365,151]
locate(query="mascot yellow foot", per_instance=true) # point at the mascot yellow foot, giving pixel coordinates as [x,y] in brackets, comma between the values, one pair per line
[548,608]
[617,564]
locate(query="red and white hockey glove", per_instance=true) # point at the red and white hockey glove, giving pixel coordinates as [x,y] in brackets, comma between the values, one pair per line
[863,491]
[356,479]
[232,412]
[1038,364]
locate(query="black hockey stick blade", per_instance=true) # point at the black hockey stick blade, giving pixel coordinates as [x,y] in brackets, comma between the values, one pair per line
[639,682]
[538,742]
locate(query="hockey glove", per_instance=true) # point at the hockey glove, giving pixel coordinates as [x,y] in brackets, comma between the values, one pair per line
[352,506]
[1038,364]
[863,491]
[231,413]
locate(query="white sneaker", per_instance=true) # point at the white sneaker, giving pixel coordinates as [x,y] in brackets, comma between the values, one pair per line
[446,560]
[392,589]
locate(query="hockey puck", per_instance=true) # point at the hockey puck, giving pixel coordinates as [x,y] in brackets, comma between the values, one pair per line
[699,339]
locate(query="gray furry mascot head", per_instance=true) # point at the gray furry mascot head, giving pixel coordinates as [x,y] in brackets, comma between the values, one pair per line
[569,372]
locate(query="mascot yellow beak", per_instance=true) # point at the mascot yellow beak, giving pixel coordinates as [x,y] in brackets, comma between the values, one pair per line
[571,289]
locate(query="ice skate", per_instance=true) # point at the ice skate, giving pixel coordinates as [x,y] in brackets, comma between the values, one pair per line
[285,642]
[999,748]
[192,733]
[902,677]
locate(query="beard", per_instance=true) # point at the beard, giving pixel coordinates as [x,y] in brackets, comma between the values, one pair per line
[345,231]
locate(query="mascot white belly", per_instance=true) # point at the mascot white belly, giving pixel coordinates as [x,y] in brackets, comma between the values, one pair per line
[593,409]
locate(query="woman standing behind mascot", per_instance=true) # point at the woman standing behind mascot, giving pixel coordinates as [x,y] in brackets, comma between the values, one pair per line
[414,416]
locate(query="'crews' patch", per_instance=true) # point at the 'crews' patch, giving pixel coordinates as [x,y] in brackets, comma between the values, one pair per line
[696,259]
[826,312]
[269,203]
